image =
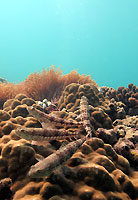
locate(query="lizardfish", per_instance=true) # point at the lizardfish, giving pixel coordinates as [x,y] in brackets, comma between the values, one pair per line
[46,166]
[43,134]
[85,117]
[45,118]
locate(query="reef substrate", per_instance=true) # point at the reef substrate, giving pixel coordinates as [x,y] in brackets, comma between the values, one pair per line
[104,167]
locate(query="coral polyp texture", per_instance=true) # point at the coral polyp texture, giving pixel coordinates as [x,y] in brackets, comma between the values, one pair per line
[98,107]
[83,147]
[128,96]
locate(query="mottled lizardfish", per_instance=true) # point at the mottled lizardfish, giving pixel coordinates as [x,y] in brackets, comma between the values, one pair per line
[85,117]
[46,166]
[43,134]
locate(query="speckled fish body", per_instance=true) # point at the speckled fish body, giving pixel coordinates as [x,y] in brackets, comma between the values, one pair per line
[41,134]
[46,166]
[85,117]
[43,117]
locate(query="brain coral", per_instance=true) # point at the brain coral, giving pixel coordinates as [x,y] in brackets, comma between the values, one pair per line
[94,171]
[71,95]
[102,171]
[70,100]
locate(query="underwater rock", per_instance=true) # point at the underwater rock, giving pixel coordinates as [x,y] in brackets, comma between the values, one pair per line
[5,192]
[123,147]
[108,136]
[132,135]
[100,118]
[127,123]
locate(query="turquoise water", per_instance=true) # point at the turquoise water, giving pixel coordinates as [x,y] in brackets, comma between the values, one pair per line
[96,37]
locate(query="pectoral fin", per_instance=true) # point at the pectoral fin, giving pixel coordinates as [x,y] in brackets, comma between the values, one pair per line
[38,157]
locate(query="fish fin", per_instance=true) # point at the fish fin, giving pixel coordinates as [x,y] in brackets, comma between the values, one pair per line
[79,117]
[63,144]
[38,157]
[43,125]
[48,124]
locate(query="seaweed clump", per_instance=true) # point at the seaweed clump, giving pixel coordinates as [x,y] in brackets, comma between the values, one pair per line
[47,84]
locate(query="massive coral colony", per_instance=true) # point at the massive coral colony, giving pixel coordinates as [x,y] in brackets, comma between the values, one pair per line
[46,166]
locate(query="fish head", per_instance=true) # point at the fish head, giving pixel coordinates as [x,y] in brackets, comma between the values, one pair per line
[34,112]
[36,172]
[20,132]
[23,133]
[31,109]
